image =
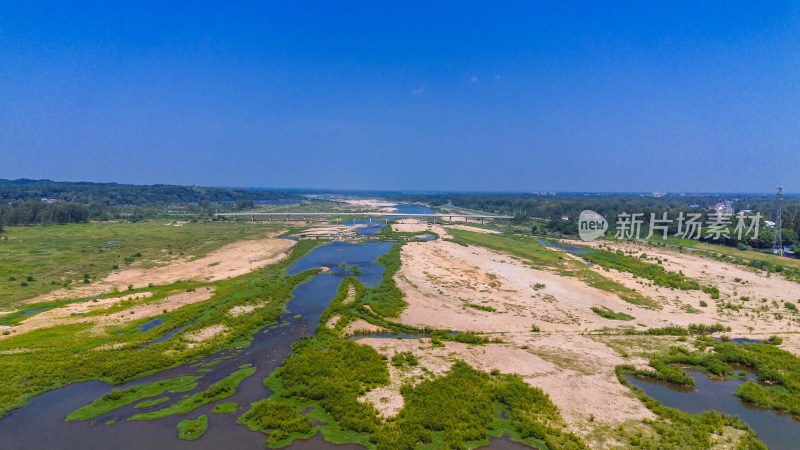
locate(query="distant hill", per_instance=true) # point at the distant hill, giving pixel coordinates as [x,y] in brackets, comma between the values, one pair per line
[114,194]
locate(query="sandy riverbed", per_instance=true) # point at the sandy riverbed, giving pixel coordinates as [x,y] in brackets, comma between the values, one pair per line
[229,261]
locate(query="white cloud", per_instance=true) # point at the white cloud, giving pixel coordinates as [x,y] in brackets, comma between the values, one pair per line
[418,91]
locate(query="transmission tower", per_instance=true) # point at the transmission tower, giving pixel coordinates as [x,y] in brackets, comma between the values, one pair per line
[778,245]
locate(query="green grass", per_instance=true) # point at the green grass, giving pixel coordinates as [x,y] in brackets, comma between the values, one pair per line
[676,429]
[225,408]
[151,403]
[609,314]
[63,354]
[325,375]
[219,390]
[281,421]
[386,299]
[640,268]
[57,254]
[778,368]
[539,256]
[533,252]
[117,399]
[191,429]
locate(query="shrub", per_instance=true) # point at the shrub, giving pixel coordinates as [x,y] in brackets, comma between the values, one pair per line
[403,358]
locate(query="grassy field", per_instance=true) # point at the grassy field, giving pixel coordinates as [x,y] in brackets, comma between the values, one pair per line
[48,358]
[39,259]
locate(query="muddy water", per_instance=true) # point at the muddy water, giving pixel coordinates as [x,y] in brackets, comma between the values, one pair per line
[41,425]
[777,430]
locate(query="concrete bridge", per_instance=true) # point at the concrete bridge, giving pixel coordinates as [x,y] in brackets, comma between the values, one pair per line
[369,215]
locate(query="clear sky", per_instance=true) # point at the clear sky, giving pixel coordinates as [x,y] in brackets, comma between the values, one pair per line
[496,95]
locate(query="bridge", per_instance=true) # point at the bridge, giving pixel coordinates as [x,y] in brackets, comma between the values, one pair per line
[370,215]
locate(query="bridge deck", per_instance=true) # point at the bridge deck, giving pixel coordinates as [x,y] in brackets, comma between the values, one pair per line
[367,214]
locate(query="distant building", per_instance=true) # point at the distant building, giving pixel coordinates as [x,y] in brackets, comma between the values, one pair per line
[769,224]
[564,217]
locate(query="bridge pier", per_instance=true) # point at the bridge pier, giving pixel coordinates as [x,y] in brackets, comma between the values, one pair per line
[481,220]
[337,218]
[253,218]
[287,217]
[270,218]
[451,219]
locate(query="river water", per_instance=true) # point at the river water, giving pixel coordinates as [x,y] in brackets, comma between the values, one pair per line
[41,424]
[776,429]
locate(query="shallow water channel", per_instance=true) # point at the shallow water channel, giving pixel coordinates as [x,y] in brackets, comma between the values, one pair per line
[776,429]
[41,424]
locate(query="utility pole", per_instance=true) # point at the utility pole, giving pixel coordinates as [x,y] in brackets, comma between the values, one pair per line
[778,245]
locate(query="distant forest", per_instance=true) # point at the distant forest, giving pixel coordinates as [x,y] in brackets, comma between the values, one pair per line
[113,194]
[550,208]
[24,201]
[21,203]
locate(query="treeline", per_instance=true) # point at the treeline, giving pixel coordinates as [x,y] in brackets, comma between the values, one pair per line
[609,205]
[551,208]
[38,212]
[113,194]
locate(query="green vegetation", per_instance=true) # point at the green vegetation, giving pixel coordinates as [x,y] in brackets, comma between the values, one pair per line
[386,299]
[191,429]
[117,399]
[69,353]
[676,429]
[459,408]
[225,408]
[404,358]
[531,251]
[280,420]
[692,329]
[389,234]
[325,375]
[450,411]
[657,274]
[151,403]
[538,256]
[355,270]
[480,307]
[56,257]
[778,368]
[606,313]
[219,390]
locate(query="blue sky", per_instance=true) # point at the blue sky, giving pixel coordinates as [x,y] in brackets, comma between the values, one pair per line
[497,96]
